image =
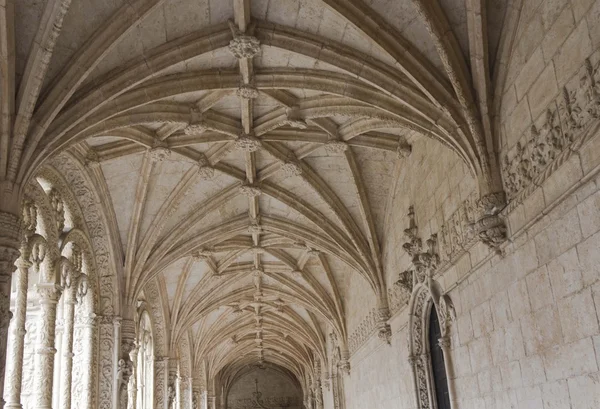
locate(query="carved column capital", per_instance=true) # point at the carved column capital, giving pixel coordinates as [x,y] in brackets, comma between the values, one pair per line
[11,233]
[49,293]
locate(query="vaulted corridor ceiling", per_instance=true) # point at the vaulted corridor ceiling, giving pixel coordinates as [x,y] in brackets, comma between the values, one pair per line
[248,148]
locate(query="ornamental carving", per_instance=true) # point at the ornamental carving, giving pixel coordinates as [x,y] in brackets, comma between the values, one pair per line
[335,146]
[424,296]
[250,190]
[247,91]
[205,170]
[96,225]
[401,290]
[159,153]
[291,169]
[563,122]
[454,235]
[247,143]
[195,129]
[363,332]
[244,46]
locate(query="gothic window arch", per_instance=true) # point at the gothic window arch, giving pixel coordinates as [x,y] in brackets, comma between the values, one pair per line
[429,348]
[145,363]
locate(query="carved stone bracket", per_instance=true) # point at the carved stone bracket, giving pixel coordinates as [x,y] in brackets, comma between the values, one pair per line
[489,227]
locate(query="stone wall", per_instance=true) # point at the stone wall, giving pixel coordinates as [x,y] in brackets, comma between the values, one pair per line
[527,333]
[277,391]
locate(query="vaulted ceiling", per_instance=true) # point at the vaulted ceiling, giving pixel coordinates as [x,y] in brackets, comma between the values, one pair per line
[248,147]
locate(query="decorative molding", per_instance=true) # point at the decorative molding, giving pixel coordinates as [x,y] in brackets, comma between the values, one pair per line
[554,136]
[363,332]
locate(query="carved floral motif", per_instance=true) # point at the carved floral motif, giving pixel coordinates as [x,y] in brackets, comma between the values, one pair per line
[561,124]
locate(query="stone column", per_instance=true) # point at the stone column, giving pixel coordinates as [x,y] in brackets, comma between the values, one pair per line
[444,344]
[14,370]
[72,279]
[49,294]
[173,388]
[10,242]
[211,402]
[127,365]
[58,359]
[85,327]
[160,382]
[67,348]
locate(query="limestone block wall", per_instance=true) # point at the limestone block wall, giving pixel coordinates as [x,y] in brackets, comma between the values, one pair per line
[527,333]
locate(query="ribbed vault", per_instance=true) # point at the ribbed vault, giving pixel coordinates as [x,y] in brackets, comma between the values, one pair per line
[248,156]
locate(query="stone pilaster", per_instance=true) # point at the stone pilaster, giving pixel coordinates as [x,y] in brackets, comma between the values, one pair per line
[10,241]
[49,294]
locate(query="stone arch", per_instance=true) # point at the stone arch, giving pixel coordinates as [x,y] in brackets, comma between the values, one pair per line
[424,297]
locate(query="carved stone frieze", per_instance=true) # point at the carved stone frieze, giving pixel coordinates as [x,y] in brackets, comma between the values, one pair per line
[562,124]
[366,328]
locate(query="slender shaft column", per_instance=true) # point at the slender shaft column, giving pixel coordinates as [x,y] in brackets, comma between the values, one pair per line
[84,372]
[10,242]
[67,346]
[49,294]
[14,370]
[444,343]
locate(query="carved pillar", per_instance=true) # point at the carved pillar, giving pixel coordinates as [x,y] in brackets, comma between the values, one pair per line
[75,284]
[49,294]
[160,382]
[58,359]
[173,388]
[83,371]
[14,370]
[10,241]
[127,363]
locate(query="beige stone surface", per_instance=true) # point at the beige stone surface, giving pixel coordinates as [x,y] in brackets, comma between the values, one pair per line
[282,189]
